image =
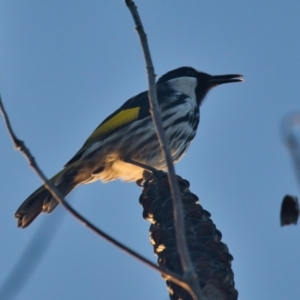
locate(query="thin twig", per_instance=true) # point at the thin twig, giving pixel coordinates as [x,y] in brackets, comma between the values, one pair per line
[20,145]
[292,142]
[189,272]
[31,256]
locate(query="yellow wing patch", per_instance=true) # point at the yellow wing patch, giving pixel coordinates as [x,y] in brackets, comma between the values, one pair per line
[122,118]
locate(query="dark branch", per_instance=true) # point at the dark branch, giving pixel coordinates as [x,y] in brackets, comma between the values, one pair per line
[189,272]
[26,264]
[289,213]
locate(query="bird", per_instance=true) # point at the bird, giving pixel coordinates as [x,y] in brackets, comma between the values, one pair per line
[126,142]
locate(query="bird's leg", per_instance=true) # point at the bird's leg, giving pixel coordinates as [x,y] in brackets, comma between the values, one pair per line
[141,165]
[148,169]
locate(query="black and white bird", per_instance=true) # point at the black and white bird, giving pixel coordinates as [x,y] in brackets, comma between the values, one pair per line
[128,136]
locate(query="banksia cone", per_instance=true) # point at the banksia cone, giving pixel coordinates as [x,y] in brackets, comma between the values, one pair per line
[210,257]
[289,213]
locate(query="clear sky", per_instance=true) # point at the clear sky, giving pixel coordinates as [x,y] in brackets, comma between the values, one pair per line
[66,65]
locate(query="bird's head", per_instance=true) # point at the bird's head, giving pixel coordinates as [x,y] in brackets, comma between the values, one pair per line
[194,83]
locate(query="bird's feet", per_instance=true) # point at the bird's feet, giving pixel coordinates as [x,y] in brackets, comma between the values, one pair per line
[149,171]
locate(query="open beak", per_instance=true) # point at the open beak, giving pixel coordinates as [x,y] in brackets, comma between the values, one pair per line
[220,79]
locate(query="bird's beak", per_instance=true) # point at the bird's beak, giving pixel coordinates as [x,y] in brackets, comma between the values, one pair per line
[220,79]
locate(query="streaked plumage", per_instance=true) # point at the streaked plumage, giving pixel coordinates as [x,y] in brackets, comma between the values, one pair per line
[128,133]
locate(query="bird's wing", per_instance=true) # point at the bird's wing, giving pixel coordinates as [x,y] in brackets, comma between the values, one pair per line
[135,108]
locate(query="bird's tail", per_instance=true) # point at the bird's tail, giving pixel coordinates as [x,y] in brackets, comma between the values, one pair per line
[42,201]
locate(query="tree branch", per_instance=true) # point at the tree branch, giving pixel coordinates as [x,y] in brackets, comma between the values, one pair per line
[289,125]
[289,212]
[26,264]
[189,272]
[20,146]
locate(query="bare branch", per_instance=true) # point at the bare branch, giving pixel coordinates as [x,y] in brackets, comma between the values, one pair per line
[20,145]
[289,125]
[289,213]
[26,264]
[189,273]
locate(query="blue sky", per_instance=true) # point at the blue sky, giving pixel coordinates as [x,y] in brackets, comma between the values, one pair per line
[66,65]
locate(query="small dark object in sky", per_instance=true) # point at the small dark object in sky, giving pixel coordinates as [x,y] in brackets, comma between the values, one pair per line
[289,210]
